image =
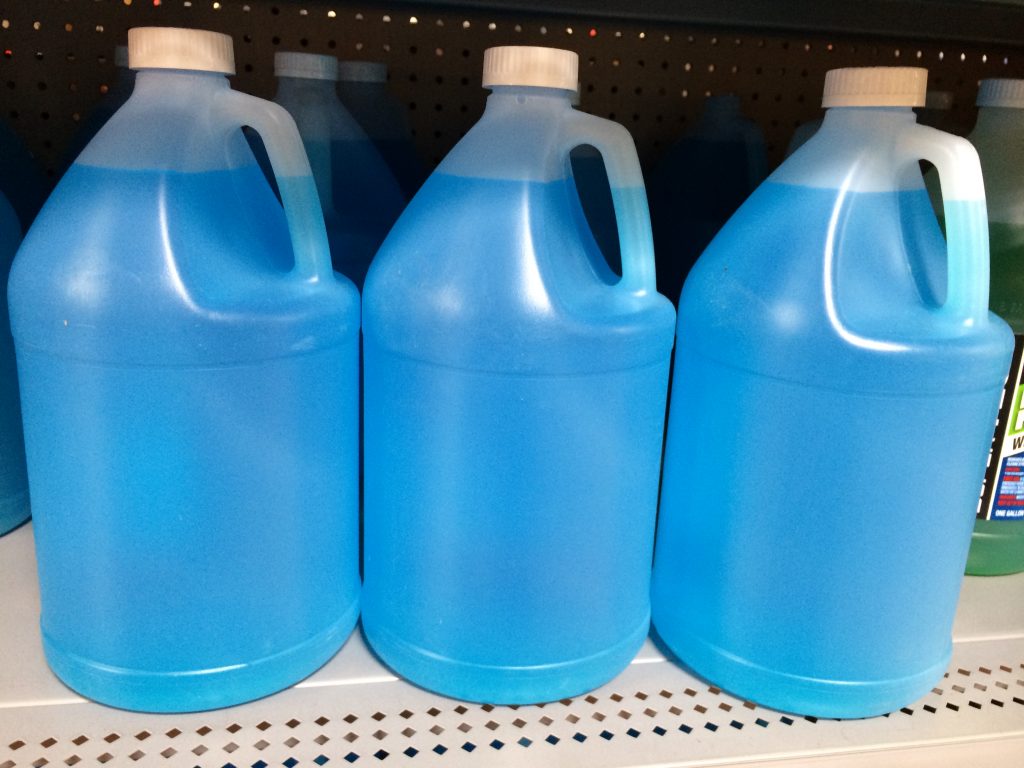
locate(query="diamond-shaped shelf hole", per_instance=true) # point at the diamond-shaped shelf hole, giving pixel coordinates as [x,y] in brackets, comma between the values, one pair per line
[261,745]
[293,723]
[633,732]
[410,751]
[573,719]
[110,738]
[203,730]
[524,742]
[640,695]
[579,737]
[497,744]
[552,739]
[762,723]
[616,697]
[169,753]
[690,692]
[291,742]
[665,694]
[749,705]
[546,720]
[200,750]
[659,730]
[405,714]
[519,722]
[675,710]
[351,757]
[291,762]
[381,754]
[321,759]
[685,728]
[487,707]
[263,726]
[437,730]
[599,716]
[142,735]
[137,755]
[378,716]
[233,728]
[8,764]
[625,714]
[230,747]
[321,739]
[433,711]
[591,699]
[713,690]
[47,743]
[15,745]
[380,735]
[322,721]
[725,707]
[73,760]
[491,725]
[465,727]
[461,709]
[350,718]
[173,733]
[469,746]
[350,737]
[700,708]
[607,735]
[79,740]
[408,732]
[650,712]
[106,757]
[440,749]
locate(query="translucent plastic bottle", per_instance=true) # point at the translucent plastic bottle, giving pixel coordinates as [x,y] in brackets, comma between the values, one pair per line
[998,544]
[514,408]
[14,508]
[190,399]
[362,87]
[115,97]
[699,183]
[835,382]
[358,193]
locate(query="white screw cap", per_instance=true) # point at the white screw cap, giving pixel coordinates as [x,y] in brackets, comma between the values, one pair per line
[121,56]
[1001,92]
[875,87]
[311,66]
[362,71]
[175,48]
[531,65]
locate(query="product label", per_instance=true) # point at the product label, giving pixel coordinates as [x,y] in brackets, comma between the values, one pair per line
[1002,493]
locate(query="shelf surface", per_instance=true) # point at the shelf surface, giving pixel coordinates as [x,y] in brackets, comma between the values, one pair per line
[355,711]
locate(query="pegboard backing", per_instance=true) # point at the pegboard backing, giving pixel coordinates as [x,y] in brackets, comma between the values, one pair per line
[652,77]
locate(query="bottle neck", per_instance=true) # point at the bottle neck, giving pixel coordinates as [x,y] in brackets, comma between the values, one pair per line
[294,86]
[519,98]
[172,84]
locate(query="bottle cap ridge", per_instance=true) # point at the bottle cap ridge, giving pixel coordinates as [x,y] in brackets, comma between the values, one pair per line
[875,87]
[531,65]
[177,48]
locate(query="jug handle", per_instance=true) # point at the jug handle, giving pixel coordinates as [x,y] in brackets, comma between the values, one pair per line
[632,217]
[294,179]
[963,204]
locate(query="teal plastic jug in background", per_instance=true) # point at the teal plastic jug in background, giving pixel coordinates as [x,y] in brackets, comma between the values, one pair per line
[699,183]
[14,508]
[836,381]
[998,543]
[515,395]
[115,97]
[363,89]
[188,367]
[22,181]
[359,195]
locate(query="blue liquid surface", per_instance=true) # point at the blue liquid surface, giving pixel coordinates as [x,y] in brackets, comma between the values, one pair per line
[190,413]
[514,404]
[827,436]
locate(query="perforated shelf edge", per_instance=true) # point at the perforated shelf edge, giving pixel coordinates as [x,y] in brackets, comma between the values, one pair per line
[355,712]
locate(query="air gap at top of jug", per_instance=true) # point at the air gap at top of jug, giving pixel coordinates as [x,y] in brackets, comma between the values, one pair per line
[188,370]
[515,393]
[836,380]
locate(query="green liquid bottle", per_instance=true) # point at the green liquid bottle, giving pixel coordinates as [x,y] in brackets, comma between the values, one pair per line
[998,543]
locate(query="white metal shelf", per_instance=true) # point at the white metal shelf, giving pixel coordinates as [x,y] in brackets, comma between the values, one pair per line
[355,712]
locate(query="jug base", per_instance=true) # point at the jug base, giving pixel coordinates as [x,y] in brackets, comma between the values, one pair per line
[785,692]
[202,689]
[14,511]
[491,684]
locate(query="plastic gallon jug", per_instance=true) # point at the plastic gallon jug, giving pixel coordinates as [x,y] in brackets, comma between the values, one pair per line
[836,379]
[998,544]
[116,95]
[360,197]
[362,87]
[189,389]
[14,508]
[699,183]
[514,394]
